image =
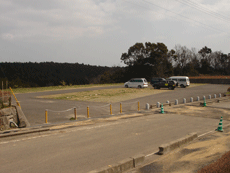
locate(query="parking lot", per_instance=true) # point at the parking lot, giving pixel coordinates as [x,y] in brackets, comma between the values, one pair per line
[34,108]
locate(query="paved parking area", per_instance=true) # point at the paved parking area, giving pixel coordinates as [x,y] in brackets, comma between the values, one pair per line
[34,108]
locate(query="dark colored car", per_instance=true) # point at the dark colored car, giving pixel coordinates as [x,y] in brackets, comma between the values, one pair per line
[156,80]
[164,84]
[175,82]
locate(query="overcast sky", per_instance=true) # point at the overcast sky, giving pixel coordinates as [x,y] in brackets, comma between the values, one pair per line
[97,32]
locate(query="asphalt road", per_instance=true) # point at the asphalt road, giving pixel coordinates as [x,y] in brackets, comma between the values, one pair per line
[86,148]
[62,110]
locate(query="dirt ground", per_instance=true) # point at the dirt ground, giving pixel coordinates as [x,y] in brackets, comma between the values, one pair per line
[199,156]
[199,111]
[207,154]
[222,165]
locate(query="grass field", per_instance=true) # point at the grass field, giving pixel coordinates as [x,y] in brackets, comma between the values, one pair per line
[110,95]
[53,88]
[107,95]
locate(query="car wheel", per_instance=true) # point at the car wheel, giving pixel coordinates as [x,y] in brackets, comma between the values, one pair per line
[126,86]
[182,86]
[155,87]
[139,86]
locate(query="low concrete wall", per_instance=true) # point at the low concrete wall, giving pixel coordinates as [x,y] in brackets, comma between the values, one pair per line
[211,81]
[165,148]
[12,115]
[8,115]
[23,122]
[122,166]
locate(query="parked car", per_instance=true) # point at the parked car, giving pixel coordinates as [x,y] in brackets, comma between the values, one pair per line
[175,82]
[136,83]
[183,81]
[156,80]
[164,84]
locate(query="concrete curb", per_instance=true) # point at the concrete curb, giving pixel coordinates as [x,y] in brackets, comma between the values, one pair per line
[165,148]
[122,166]
[23,132]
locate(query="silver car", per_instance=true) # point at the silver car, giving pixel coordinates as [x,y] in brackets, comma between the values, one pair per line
[136,83]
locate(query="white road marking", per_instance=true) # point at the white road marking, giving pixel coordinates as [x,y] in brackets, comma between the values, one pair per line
[198,137]
[151,154]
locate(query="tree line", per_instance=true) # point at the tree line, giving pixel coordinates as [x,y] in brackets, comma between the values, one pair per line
[142,60]
[50,74]
[155,60]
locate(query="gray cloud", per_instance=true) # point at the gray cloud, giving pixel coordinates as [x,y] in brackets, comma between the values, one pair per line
[99,31]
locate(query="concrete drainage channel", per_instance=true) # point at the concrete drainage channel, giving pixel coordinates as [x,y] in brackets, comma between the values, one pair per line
[135,161]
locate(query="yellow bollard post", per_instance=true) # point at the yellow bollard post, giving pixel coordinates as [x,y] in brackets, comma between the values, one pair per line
[120,108]
[2,94]
[88,112]
[46,116]
[138,106]
[15,98]
[111,109]
[75,113]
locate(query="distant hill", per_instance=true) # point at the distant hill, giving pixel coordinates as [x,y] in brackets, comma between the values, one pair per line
[50,73]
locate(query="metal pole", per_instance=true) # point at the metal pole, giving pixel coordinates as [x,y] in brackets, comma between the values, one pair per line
[138,106]
[111,109]
[46,116]
[75,113]
[15,98]
[2,94]
[88,112]
[7,91]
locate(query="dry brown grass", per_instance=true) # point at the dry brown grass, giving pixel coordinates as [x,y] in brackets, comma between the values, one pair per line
[109,95]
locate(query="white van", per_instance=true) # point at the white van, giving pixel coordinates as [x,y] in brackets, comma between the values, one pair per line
[136,83]
[183,81]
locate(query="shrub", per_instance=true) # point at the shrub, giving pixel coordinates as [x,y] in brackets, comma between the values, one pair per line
[228,89]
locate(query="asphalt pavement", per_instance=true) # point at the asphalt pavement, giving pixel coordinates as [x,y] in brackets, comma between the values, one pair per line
[82,146]
[202,152]
[92,144]
[62,110]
